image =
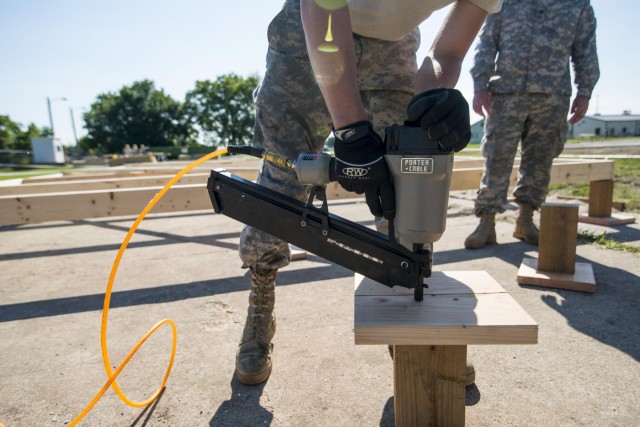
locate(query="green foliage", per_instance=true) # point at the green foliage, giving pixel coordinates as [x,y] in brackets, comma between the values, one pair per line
[223,110]
[137,114]
[606,241]
[14,137]
[625,189]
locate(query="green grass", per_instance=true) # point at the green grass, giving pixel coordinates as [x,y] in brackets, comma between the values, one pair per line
[9,173]
[605,241]
[626,187]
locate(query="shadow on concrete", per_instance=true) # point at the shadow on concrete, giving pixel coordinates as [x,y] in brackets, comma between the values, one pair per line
[511,253]
[243,407]
[163,239]
[148,410]
[160,294]
[127,219]
[387,419]
[610,314]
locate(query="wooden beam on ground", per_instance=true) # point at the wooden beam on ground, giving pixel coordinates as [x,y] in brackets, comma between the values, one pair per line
[575,172]
[74,205]
[14,210]
[112,183]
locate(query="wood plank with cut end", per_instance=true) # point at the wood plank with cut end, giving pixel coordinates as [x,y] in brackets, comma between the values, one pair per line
[610,221]
[582,280]
[460,308]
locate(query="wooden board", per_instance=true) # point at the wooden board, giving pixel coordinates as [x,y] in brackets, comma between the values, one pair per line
[582,280]
[35,208]
[113,182]
[297,253]
[459,308]
[15,205]
[610,221]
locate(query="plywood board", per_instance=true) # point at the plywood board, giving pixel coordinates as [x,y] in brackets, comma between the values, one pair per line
[582,280]
[453,314]
[614,219]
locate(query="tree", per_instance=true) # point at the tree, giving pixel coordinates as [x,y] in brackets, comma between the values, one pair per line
[223,109]
[13,137]
[138,114]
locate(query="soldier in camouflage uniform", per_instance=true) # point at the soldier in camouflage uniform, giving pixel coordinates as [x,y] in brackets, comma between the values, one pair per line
[361,84]
[522,80]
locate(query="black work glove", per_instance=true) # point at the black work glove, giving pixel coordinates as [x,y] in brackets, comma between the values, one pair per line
[361,168]
[444,115]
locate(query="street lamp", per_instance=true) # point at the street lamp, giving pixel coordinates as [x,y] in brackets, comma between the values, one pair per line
[73,125]
[49,101]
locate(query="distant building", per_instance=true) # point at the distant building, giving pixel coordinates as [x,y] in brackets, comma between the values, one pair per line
[47,150]
[603,126]
[625,124]
[477,132]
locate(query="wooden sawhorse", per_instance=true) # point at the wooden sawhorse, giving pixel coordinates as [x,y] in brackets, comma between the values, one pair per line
[430,338]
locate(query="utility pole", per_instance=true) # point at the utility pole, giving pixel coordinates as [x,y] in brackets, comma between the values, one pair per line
[50,117]
[73,125]
[49,101]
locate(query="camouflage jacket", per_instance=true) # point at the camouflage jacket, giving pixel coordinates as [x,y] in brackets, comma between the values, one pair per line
[527,48]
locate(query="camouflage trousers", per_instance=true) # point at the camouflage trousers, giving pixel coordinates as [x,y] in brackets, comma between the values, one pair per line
[539,123]
[291,116]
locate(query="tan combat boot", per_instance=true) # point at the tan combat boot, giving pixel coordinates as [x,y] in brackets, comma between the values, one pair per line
[484,234]
[525,228]
[253,360]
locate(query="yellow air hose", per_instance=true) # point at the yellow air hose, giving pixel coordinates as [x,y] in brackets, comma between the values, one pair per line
[107,299]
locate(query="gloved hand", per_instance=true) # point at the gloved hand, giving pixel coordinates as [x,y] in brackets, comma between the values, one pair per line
[444,115]
[361,168]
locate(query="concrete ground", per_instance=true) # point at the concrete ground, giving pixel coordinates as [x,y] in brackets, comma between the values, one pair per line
[583,372]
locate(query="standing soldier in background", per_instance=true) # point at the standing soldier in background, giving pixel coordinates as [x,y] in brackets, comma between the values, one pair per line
[523,83]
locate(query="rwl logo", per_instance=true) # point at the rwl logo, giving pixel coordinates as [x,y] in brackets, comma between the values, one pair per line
[355,172]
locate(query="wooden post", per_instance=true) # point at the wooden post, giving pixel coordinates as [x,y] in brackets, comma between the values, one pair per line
[438,397]
[430,338]
[556,266]
[558,237]
[600,198]
[601,205]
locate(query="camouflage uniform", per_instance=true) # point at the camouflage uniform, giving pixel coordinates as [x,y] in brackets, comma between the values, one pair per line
[530,84]
[291,116]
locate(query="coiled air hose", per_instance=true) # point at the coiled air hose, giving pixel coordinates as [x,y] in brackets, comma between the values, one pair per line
[252,151]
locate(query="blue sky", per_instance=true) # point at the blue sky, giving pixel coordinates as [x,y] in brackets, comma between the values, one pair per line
[78,49]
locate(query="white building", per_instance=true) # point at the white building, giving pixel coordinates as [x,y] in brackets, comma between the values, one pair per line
[47,151]
[613,125]
[625,124]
